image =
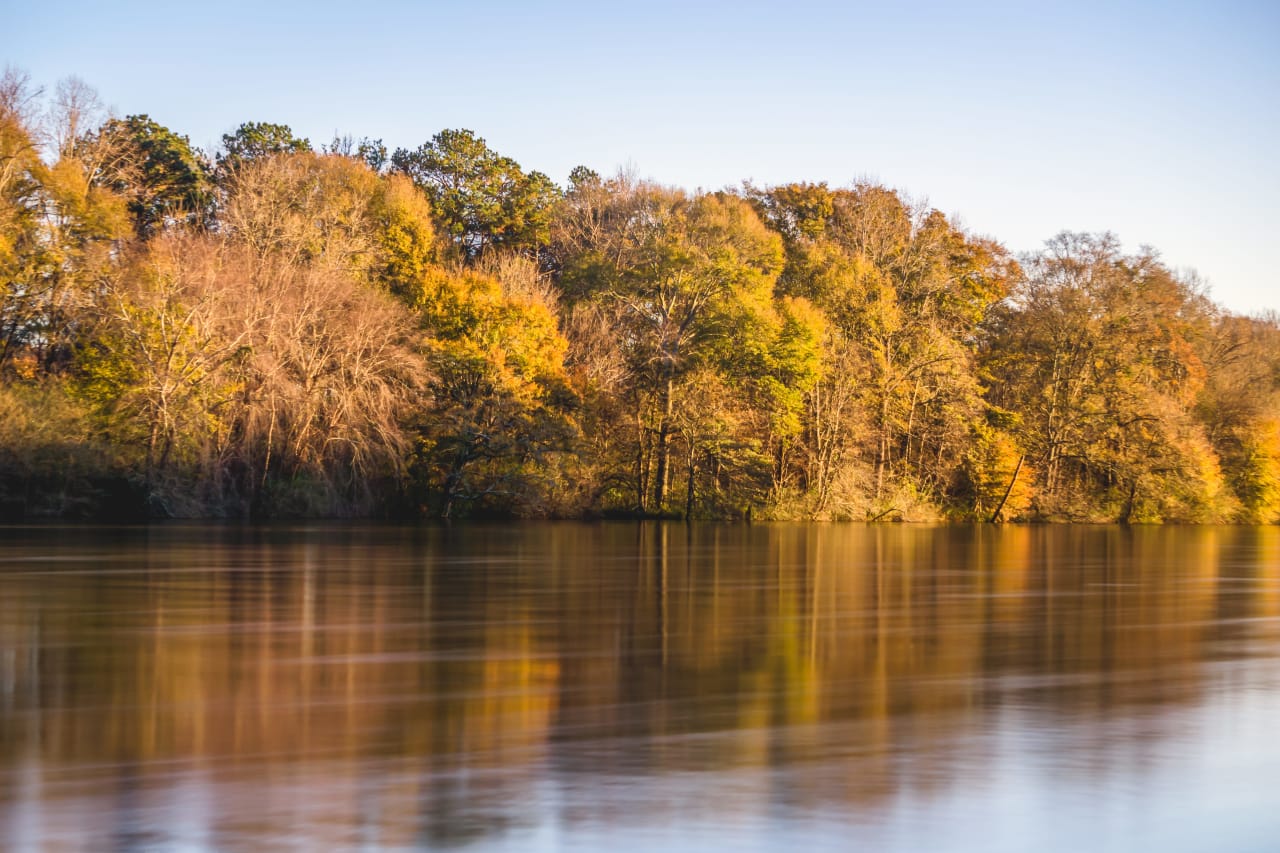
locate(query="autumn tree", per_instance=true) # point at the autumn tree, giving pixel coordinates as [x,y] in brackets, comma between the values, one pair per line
[161,177]
[681,276]
[483,199]
[21,248]
[254,140]
[1098,351]
[151,366]
[251,384]
[904,291]
[80,223]
[1240,409]
[332,211]
[269,363]
[499,418]
[772,362]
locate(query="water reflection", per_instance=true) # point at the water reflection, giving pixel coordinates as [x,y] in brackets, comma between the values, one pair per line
[579,686]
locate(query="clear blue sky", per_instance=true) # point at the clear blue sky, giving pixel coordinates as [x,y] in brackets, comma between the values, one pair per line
[1158,121]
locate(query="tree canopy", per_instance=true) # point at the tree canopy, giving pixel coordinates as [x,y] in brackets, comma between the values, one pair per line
[281,331]
[256,139]
[156,170]
[484,199]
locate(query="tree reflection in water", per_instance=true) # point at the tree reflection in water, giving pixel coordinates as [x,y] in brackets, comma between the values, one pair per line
[573,685]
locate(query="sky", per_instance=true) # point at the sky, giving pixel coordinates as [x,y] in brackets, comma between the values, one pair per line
[1157,121]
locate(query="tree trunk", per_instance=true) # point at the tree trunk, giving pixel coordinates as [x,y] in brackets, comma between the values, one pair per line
[911,425]
[1126,515]
[882,455]
[688,498]
[452,482]
[663,474]
[995,516]
[642,462]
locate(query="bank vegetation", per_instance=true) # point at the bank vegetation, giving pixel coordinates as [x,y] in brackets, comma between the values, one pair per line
[281,330]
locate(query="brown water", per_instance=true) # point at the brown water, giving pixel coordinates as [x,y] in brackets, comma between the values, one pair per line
[640,687]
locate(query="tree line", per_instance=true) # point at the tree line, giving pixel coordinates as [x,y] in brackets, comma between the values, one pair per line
[284,330]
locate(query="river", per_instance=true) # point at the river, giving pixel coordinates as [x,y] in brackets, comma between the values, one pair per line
[629,687]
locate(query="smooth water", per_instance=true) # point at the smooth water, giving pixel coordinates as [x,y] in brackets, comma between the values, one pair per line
[640,687]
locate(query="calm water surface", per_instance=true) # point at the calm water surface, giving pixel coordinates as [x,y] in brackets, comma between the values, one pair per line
[640,687]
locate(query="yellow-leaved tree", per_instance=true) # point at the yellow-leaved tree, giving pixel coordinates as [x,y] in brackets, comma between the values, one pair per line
[499,423]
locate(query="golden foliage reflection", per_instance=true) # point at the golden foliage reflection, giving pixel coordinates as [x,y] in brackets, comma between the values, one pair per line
[448,674]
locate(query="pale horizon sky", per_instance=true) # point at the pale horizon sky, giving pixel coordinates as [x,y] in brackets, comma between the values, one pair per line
[1157,121]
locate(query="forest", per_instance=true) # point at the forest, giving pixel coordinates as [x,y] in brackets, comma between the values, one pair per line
[278,329]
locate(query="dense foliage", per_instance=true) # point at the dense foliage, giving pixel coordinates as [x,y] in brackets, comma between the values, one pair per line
[279,331]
